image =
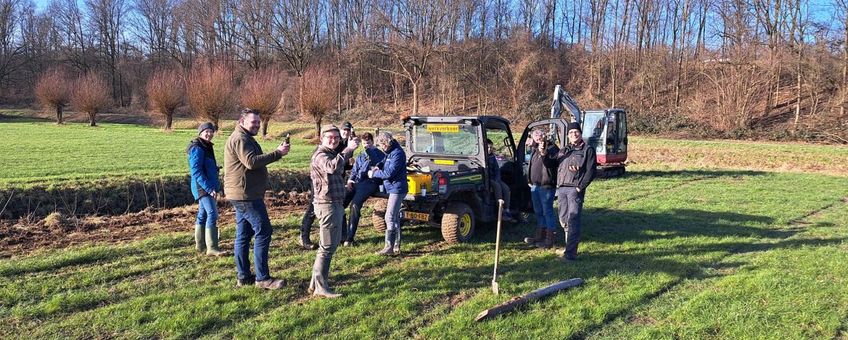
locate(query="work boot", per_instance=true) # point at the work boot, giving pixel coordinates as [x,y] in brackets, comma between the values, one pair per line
[305,243]
[212,243]
[507,217]
[270,283]
[389,248]
[327,295]
[246,282]
[540,235]
[548,241]
[199,242]
[565,257]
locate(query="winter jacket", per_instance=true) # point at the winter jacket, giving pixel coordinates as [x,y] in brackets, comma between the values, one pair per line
[393,170]
[537,162]
[364,162]
[203,168]
[246,175]
[581,155]
[327,174]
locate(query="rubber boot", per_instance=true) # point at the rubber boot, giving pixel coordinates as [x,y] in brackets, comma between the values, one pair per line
[199,241]
[548,241]
[396,245]
[212,242]
[305,226]
[540,235]
[389,248]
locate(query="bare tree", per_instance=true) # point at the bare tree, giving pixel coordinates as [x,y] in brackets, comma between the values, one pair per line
[53,91]
[107,19]
[165,93]
[155,27]
[263,91]
[90,95]
[318,94]
[10,49]
[211,92]
[415,29]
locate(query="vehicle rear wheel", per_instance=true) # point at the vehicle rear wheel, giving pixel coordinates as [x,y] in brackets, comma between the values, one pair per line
[457,223]
[378,214]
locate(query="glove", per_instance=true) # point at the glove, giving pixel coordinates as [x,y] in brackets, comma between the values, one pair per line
[371,173]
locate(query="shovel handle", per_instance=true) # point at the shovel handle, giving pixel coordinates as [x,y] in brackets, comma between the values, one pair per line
[498,239]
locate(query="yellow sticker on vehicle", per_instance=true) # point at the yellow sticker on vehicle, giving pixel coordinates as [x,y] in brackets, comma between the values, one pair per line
[443,162]
[445,128]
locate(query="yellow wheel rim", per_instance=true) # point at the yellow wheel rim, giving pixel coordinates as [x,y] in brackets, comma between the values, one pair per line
[465,225]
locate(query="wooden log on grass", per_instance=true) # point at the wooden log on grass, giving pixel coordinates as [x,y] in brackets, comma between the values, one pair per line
[518,301]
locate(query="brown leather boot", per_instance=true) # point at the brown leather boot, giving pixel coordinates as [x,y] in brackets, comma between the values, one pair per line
[548,241]
[540,235]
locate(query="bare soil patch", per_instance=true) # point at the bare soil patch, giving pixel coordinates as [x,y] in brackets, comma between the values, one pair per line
[57,230]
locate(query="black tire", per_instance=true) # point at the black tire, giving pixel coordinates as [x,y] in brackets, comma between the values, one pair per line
[378,214]
[458,223]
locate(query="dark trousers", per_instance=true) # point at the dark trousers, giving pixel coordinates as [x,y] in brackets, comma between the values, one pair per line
[570,209]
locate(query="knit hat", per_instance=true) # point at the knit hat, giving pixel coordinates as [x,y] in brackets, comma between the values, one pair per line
[205,126]
[573,126]
[328,128]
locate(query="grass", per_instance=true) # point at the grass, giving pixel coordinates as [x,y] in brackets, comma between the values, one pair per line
[711,250]
[38,152]
[677,254]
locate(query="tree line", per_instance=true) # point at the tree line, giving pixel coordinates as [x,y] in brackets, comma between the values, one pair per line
[722,68]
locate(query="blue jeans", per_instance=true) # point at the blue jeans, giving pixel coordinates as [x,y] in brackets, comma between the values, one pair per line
[207,212]
[362,191]
[252,220]
[543,206]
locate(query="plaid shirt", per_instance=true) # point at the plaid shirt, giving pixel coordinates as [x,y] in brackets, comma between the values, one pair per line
[327,173]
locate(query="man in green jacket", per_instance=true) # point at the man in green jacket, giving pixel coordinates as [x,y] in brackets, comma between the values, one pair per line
[245,182]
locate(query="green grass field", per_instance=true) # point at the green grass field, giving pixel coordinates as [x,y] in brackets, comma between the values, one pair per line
[667,252]
[43,152]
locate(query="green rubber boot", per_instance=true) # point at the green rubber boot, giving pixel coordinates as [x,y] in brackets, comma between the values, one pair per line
[199,242]
[212,243]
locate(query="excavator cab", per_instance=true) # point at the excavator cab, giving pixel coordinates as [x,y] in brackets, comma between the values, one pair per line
[606,131]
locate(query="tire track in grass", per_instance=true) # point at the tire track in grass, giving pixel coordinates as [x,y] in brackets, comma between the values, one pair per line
[695,274]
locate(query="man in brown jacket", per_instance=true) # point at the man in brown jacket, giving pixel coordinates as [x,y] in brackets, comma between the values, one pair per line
[328,185]
[245,182]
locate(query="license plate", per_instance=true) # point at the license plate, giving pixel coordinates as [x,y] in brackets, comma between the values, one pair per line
[410,215]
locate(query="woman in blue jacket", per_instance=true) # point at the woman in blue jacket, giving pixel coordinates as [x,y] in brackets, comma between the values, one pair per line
[393,173]
[205,187]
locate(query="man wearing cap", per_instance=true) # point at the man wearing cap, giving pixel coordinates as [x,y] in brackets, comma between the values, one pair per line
[328,184]
[575,166]
[205,188]
[309,217]
[245,182]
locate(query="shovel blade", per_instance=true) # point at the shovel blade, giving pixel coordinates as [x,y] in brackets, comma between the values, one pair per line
[495,287]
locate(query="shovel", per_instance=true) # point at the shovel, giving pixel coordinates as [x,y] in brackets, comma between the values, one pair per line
[497,247]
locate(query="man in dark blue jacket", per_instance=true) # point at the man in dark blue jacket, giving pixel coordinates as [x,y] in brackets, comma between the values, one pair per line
[360,185]
[575,166]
